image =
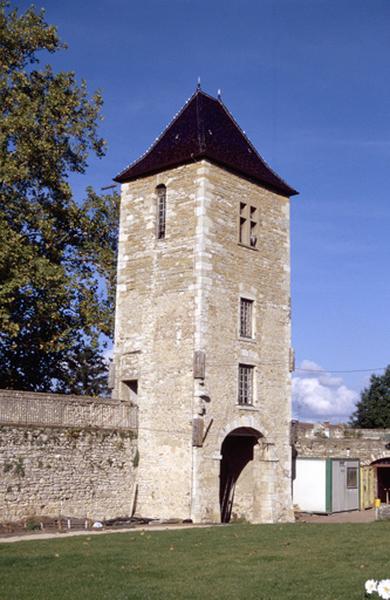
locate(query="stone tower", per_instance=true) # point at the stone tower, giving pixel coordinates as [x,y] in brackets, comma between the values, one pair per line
[202,339]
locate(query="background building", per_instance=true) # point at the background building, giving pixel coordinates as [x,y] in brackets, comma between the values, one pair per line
[318,446]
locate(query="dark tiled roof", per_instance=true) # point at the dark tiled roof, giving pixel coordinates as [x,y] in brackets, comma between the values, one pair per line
[204,128]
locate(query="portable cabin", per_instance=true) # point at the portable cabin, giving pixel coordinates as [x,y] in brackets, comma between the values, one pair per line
[326,485]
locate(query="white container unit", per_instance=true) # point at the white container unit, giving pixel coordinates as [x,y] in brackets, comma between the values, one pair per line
[326,485]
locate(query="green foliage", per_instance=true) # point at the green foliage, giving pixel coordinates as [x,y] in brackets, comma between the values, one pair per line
[19,467]
[73,433]
[57,256]
[373,408]
[83,370]
[32,525]
[238,562]
[7,467]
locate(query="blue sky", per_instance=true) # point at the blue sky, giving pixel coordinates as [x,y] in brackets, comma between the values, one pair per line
[308,80]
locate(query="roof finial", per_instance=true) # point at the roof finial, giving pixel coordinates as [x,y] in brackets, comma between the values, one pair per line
[198,84]
[219,94]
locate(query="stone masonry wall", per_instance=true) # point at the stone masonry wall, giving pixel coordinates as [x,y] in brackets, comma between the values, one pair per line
[154,335]
[323,440]
[230,271]
[81,465]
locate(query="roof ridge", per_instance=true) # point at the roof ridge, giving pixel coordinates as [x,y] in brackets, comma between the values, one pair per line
[161,135]
[252,146]
[200,125]
[188,137]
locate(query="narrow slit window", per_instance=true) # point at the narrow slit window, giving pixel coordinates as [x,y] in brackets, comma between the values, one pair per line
[253,227]
[243,222]
[248,225]
[246,318]
[242,230]
[245,385]
[161,211]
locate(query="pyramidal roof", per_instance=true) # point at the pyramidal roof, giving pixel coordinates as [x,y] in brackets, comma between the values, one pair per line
[204,128]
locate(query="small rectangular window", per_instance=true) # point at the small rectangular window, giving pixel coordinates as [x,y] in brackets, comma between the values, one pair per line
[245,385]
[161,211]
[246,318]
[352,478]
[130,390]
[253,227]
[242,230]
[243,223]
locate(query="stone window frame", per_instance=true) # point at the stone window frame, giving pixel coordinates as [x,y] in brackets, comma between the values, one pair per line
[161,211]
[248,224]
[246,384]
[242,327]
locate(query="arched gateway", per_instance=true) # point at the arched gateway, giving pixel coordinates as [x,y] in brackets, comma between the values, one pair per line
[237,452]
[382,479]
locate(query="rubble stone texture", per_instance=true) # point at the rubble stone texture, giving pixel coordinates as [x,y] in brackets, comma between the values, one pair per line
[180,295]
[65,456]
[324,440]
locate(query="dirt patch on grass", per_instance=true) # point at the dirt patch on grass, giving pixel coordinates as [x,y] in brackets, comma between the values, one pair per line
[354,516]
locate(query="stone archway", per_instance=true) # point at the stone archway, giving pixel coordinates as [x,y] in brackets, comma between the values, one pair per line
[382,470]
[237,452]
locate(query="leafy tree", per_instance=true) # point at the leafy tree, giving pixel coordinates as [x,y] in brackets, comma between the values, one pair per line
[373,408]
[84,369]
[57,256]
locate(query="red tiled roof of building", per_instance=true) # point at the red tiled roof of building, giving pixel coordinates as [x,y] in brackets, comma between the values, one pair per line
[204,128]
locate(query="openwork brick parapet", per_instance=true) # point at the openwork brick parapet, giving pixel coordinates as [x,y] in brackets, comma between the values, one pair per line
[31,408]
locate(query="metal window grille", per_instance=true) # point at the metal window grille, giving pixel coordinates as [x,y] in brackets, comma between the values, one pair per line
[245,384]
[246,318]
[161,211]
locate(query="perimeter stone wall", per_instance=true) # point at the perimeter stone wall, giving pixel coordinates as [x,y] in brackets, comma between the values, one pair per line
[324,440]
[63,455]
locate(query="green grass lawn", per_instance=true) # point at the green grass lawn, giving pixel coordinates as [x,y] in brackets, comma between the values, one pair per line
[259,562]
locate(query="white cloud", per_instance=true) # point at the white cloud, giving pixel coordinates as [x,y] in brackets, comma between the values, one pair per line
[318,395]
[108,354]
